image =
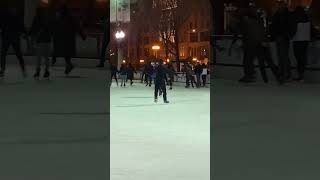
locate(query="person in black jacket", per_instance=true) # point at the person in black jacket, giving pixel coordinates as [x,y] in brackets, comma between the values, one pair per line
[160,83]
[114,71]
[198,71]
[105,42]
[280,32]
[131,71]
[123,74]
[149,72]
[301,39]
[65,31]
[42,36]
[171,73]
[12,28]
[255,45]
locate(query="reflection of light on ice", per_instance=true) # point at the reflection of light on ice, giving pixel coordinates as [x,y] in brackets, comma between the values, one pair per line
[160,136]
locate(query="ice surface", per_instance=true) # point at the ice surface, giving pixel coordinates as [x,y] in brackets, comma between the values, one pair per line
[265,131]
[160,141]
[53,130]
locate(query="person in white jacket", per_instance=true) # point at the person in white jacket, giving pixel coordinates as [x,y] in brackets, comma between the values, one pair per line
[204,74]
[301,39]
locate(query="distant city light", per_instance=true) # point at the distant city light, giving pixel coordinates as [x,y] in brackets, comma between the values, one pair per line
[156,47]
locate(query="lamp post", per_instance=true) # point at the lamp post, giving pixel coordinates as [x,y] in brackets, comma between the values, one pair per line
[120,35]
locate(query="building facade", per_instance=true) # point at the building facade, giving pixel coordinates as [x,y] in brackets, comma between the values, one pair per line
[145,43]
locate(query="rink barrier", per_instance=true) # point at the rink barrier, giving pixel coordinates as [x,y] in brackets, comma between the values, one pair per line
[227,61]
[179,78]
[89,48]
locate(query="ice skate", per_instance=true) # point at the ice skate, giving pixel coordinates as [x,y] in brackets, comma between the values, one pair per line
[37,74]
[46,75]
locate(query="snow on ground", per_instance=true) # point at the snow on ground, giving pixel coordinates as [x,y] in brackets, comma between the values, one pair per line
[160,141]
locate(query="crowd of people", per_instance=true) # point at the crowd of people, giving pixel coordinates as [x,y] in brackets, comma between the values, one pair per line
[195,75]
[284,27]
[161,74]
[52,34]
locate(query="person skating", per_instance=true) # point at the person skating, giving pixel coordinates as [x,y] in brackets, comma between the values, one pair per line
[160,83]
[301,39]
[105,42]
[280,32]
[114,72]
[42,36]
[255,45]
[131,71]
[204,74]
[149,72]
[123,74]
[189,75]
[171,73]
[65,31]
[12,28]
[198,71]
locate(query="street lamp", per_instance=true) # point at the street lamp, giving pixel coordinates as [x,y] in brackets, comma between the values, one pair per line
[156,48]
[120,35]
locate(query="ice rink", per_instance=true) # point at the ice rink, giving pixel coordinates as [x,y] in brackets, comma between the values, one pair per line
[264,132]
[160,141]
[54,130]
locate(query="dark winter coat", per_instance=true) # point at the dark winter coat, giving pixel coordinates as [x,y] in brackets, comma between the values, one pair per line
[171,71]
[149,69]
[131,72]
[161,74]
[113,69]
[65,31]
[281,25]
[123,70]
[12,26]
[41,29]
[253,31]
[198,69]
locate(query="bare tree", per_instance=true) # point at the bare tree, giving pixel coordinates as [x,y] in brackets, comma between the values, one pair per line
[167,18]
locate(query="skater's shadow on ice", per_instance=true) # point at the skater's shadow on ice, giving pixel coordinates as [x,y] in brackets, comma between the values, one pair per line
[73,77]
[61,140]
[137,97]
[141,105]
[5,83]
[76,113]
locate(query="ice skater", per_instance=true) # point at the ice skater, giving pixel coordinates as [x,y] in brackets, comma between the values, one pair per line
[160,83]
[149,73]
[123,74]
[42,36]
[171,72]
[130,72]
[12,28]
[114,72]
[65,31]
